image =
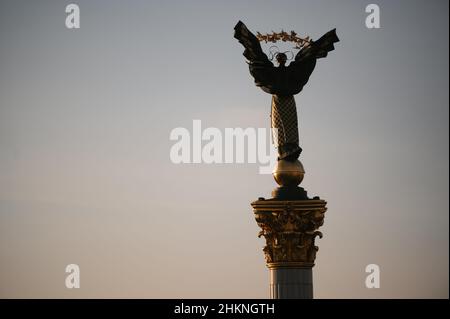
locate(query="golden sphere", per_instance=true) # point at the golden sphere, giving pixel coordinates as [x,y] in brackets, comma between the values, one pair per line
[287,173]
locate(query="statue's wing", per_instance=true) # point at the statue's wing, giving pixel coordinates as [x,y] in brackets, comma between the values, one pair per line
[253,51]
[318,49]
[305,60]
[259,64]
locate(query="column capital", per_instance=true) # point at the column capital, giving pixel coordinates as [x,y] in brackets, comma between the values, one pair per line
[290,228]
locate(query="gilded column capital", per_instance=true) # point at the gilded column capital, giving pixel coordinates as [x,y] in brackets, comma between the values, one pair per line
[290,229]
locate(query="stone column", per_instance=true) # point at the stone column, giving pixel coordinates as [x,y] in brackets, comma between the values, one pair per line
[289,223]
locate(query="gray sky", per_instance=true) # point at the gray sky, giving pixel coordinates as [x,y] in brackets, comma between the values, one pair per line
[85,174]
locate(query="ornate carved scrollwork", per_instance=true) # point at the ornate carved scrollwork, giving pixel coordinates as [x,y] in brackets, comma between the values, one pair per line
[290,229]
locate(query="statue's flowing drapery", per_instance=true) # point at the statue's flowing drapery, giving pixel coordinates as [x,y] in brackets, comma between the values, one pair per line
[283,83]
[284,125]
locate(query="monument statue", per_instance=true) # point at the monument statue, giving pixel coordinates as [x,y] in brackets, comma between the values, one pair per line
[283,82]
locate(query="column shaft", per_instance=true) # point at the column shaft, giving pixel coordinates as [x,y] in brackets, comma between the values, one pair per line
[291,283]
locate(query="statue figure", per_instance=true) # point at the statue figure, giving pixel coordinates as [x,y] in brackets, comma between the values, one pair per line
[284,81]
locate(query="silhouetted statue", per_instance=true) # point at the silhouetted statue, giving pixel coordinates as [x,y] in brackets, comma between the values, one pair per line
[283,82]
